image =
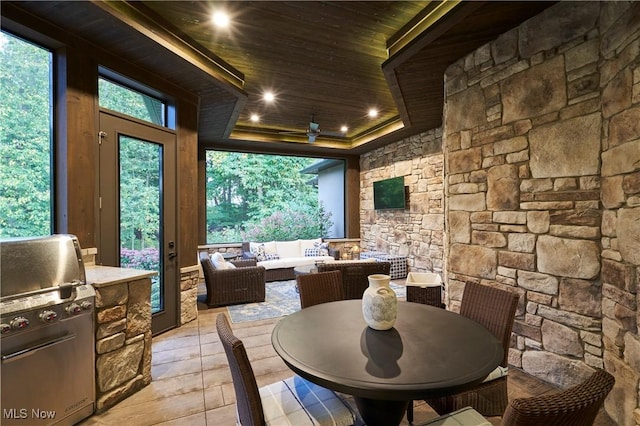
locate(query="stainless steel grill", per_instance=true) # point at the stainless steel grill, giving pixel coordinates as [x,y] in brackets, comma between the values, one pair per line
[46,332]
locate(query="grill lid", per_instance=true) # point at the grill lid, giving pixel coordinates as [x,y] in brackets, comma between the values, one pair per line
[36,264]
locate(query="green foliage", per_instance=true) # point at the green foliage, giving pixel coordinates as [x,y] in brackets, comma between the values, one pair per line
[140,173]
[130,102]
[260,194]
[290,224]
[25,139]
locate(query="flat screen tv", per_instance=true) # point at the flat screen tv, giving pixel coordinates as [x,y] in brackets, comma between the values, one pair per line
[389,194]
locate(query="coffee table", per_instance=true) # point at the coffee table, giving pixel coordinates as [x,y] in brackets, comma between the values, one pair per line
[430,352]
[305,269]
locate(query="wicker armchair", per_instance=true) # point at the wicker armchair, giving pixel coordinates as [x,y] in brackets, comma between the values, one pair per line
[321,287]
[244,284]
[293,401]
[495,309]
[354,275]
[576,406]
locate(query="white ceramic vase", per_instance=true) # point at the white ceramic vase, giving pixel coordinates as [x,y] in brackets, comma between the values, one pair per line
[379,303]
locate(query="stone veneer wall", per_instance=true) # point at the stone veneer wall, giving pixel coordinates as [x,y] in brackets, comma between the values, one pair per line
[189,280]
[418,231]
[542,151]
[123,340]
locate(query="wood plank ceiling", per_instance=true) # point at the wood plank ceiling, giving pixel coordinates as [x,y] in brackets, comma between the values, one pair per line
[331,60]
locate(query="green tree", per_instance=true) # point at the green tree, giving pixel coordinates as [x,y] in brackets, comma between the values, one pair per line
[250,193]
[25,138]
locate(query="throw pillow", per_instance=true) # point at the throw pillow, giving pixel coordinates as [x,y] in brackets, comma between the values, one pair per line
[312,252]
[271,256]
[260,253]
[219,263]
[323,249]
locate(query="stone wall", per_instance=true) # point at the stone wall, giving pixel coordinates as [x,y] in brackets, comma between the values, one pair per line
[620,196]
[123,339]
[541,142]
[418,231]
[189,280]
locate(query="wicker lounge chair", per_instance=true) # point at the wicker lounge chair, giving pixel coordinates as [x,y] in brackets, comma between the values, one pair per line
[354,275]
[244,284]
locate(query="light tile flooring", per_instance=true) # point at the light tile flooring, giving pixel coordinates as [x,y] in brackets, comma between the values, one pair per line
[192,386]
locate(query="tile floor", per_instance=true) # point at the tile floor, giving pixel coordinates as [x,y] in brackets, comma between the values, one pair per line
[192,386]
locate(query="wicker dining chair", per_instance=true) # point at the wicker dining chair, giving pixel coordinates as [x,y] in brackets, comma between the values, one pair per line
[321,287]
[495,309]
[293,401]
[354,275]
[243,284]
[575,406]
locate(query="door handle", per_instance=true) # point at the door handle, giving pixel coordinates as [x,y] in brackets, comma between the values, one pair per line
[172,255]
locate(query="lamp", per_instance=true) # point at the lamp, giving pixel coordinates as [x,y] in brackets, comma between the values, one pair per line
[355,252]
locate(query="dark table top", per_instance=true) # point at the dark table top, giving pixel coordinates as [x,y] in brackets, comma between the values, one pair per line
[429,352]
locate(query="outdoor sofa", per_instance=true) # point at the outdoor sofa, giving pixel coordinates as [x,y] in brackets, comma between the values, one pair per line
[279,258]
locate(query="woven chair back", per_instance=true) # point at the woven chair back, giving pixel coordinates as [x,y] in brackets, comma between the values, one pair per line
[576,406]
[321,287]
[249,404]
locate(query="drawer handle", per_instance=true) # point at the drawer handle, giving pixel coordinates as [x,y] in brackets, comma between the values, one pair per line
[28,351]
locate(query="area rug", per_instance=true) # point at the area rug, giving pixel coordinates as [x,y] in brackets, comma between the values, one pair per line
[281,299]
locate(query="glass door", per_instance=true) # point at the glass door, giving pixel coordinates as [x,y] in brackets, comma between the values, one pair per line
[137,211]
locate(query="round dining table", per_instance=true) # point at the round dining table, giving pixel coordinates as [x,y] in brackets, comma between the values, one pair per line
[430,352]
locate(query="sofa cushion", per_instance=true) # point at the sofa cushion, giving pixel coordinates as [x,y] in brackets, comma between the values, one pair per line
[292,262]
[288,249]
[307,244]
[264,251]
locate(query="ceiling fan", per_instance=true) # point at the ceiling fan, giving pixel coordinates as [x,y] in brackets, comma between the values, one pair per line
[313,131]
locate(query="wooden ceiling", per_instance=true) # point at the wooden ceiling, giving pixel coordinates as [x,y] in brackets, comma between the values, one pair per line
[330,60]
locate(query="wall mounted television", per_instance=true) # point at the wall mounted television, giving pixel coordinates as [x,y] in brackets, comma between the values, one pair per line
[389,194]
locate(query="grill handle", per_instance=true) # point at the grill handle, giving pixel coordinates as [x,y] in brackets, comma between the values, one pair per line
[65,290]
[29,351]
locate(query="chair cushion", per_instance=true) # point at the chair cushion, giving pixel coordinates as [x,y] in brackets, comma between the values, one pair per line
[466,416]
[219,263]
[296,401]
[498,372]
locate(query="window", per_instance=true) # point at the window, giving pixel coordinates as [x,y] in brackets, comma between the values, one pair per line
[257,197]
[26,182]
[131,102]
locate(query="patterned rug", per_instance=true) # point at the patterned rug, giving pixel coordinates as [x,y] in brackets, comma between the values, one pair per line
[281,299]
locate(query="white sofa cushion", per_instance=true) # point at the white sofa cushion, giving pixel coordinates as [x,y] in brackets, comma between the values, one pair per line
[269,247]
[288,249]
[309,244]
[292,262]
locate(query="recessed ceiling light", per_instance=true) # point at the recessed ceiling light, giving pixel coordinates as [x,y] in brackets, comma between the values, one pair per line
[268,97]
[344,129]
[255,118]
[373,113]
[220,19]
